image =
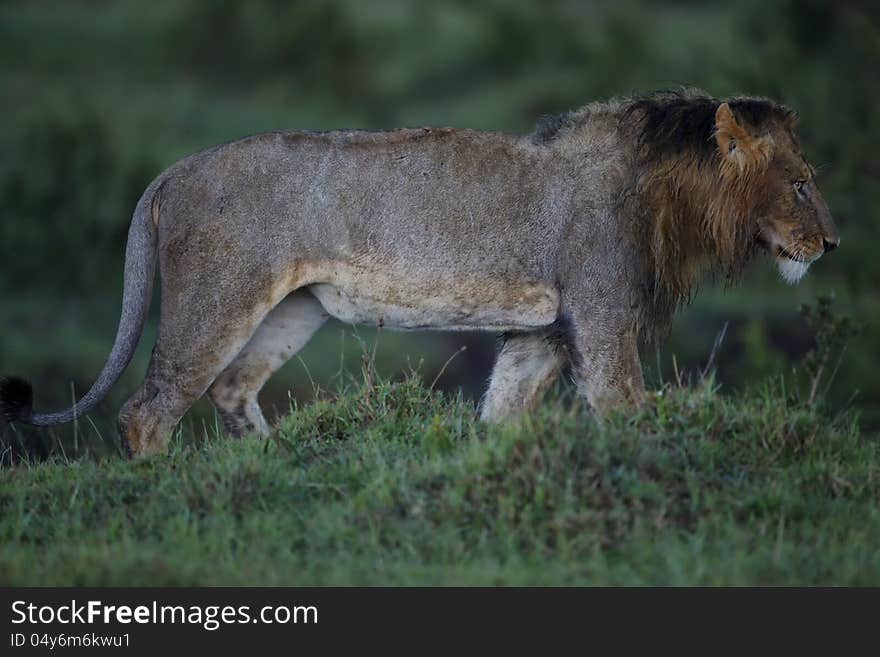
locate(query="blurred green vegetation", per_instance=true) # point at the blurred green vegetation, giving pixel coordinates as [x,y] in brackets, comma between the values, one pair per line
[99,96]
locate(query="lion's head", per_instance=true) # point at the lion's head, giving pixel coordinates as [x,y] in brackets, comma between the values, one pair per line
[722,180]
[762,164]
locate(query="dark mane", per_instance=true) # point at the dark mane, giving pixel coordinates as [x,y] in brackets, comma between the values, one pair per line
[548,127]
[679,122]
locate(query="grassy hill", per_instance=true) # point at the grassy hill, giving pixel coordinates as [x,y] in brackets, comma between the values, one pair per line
[394,483]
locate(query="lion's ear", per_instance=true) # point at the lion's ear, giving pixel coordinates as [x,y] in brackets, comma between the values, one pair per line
[736,145]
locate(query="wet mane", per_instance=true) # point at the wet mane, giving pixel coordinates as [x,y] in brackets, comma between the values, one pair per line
[683,121]
[549,126]
[692,211]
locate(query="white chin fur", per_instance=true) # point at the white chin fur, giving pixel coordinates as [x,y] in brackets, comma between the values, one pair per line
[791,270]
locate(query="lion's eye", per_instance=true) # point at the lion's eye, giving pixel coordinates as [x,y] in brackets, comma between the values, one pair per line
[799,185]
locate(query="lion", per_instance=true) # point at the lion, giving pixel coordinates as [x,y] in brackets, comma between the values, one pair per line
[576,243]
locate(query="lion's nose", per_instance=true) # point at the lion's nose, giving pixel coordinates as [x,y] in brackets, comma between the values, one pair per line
[831,244]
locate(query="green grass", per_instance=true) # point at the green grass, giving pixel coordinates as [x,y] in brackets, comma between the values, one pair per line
[393,483]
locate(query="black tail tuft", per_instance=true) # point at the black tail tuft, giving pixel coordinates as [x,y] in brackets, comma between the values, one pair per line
[16,400]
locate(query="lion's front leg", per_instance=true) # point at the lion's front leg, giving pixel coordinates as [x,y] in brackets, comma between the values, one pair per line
[606,364]
[526,366]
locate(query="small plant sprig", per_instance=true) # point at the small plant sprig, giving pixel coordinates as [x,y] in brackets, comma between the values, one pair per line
[833,333]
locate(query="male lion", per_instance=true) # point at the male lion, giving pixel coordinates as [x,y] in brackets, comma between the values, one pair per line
[575,242]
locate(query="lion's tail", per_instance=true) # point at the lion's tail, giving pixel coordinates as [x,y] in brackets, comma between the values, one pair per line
[16,395]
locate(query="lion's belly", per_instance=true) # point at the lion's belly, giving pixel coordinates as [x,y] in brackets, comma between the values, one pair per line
[362,296]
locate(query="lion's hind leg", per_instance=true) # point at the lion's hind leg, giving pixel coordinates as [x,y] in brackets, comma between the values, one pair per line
[526,366]
[191,350]
[283,332]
